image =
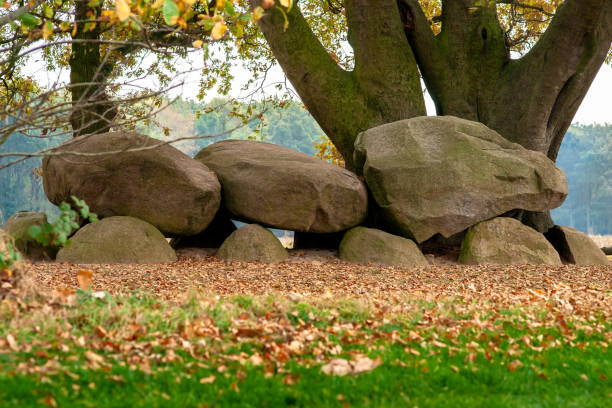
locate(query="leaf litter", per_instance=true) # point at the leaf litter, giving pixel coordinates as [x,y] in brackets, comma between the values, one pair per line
[335,315]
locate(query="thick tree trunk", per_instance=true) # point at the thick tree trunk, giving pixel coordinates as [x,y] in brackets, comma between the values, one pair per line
[92,112]
[383,87]
[467,70]
[531,101]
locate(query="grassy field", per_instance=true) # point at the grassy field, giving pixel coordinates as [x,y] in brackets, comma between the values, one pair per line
[490,344]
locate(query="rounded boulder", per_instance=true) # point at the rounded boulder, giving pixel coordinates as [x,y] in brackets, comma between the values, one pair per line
[252,243]
[117,240]
[369,245]
[161,185]
[282,188]
[17,226]
[505,240]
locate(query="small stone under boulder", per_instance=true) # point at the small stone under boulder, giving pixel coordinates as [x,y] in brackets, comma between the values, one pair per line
[281,188]
[574,247]
[252,243]
[369,245]
[117,240]
[17,226]
[505,240]
[162,186]
[443,174]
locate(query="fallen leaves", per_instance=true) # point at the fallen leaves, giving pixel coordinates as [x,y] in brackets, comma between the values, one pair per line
[332,316]
[208,380]
[84,278]
[359,365]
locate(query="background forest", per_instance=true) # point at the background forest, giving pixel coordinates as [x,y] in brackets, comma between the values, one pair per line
[585,156]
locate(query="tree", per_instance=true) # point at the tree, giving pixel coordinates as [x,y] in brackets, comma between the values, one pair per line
[464,54]
[464,51]
[107,46]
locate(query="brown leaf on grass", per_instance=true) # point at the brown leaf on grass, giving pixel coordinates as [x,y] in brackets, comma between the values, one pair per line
[12,343]
[101,332]
[50,401]
[93,357]
[341,367]
[514,365]
[337,366]
[365,364]
[84,278]
[584,377]
[290,379]
[208,380]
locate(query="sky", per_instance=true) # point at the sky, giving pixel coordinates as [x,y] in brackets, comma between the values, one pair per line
[595,108]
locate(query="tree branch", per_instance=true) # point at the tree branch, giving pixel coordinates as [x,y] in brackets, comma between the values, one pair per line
[19,12]
[385,66]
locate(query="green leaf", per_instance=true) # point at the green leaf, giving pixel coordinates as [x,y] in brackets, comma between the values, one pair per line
[171,12]
[34,231]
[229,8]
[207,24]
[47,11]
[29,20]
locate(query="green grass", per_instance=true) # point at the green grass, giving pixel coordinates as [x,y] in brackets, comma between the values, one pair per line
[151,354]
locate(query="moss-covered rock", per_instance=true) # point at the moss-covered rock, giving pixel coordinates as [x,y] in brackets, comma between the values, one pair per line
[162,186]
[252,243]
[506,241]
[574,247]
[281,188]
[442,175]
[369,245]
[17,226]
[118,240]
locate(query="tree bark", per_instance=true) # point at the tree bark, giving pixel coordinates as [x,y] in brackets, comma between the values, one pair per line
[531,101]
[92,112]
[383,87]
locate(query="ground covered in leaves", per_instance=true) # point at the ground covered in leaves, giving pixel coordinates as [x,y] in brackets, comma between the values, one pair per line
[202,333]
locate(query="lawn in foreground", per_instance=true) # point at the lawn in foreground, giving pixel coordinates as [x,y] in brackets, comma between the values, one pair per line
[418,350]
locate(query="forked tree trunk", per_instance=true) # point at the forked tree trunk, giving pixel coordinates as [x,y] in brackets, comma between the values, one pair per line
[383,87]
[467,69]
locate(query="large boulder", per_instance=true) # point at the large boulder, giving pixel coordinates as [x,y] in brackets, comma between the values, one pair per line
[442,175]
[506,241]
[369,245]
[117,240]
[162,185]
[252,243]
[17,226]
[575,247]
[281,188]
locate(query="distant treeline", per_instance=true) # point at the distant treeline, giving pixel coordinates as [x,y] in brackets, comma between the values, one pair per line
[585,156]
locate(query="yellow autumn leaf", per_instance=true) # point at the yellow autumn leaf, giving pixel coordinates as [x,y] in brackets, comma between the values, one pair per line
[123,9]
[218,30]
[158,4]
[47,30]
[286,3]
[197,43]
[258,13]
